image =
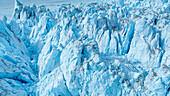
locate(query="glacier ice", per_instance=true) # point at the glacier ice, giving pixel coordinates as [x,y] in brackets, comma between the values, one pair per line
[117,48]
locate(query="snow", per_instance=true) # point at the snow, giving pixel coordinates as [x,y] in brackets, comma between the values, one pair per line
[101,49]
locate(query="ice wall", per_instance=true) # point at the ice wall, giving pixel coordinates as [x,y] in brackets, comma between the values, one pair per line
[103,48]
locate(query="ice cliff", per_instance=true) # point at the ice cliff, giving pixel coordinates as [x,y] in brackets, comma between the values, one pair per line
[111,48]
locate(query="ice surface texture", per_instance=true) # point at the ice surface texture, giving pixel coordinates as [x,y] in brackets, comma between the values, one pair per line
[118,48]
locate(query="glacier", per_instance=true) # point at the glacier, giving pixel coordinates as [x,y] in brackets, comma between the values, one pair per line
[105,48]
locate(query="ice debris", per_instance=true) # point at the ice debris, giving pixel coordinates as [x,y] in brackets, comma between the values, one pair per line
[117,48]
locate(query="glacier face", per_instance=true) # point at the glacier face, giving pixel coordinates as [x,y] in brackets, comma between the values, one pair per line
[118,48]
